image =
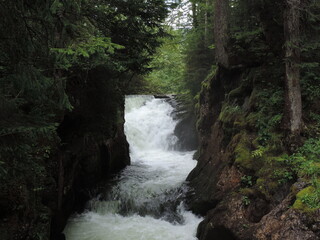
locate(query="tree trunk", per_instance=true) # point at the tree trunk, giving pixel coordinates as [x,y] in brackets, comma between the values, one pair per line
[293,105]
[206,24]
[221,31]
[194,15]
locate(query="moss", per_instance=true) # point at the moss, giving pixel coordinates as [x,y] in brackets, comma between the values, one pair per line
[211,75]
[298,204]
[237,92]
[233,120]
[240,122]
[207,83]
[307,200]
[230,113]
[276,144]
[261,184]
[199,123]
[243,156]
[253,98]
[260,181]
[247,192]
[272,186]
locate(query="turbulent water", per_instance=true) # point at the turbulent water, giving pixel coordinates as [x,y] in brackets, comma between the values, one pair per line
[146,201]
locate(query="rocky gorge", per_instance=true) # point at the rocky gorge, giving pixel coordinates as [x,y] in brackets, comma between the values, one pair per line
[241,193]
[244,74]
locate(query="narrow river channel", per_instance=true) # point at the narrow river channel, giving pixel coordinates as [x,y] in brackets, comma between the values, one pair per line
[146,202]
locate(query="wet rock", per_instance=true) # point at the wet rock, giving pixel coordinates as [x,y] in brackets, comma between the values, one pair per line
[229,215]
[185,129]
[94,145]
[213,177]
[163,96]
[186,132]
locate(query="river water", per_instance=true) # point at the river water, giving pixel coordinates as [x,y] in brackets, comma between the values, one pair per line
[146,200]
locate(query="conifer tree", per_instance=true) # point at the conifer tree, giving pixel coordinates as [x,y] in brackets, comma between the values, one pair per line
[293,105]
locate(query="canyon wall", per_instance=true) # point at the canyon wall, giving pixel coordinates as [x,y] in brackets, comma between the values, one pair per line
[89,148]
[239,183]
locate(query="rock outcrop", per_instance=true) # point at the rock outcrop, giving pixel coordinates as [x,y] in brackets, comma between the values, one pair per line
[90,146]
[235,184]
[93,147]
[185,129]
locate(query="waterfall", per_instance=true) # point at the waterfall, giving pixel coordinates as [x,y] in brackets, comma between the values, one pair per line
[146,199]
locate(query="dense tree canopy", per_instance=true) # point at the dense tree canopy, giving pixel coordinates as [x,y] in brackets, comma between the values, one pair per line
[44,43]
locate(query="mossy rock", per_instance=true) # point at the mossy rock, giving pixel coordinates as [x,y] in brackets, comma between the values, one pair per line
[254,97]
[260,181]
[243,156]
[307,200]
[247,192]
[267,186]
[272,186]
[238,92]
[261,184]
[251,120]
[231,113]
[240,122]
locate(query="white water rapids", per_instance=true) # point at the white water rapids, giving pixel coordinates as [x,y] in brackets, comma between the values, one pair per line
[145,203]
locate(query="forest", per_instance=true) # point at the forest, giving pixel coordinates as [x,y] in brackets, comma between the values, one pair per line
[244,74]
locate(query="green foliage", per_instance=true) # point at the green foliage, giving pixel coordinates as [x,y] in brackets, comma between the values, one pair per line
[283,175]
[247,181]
[308,199]
[307,159]
[48,42]
[310,81]
[246,201]
[250,24]
[137,28]
[199,49]
[311,149]
[78,53]
[315,118]
[167,66]
[250,44]
[258,152]
[243,156]
[251,112]
[230,112]
[268,99]
[310,52]
[305,162]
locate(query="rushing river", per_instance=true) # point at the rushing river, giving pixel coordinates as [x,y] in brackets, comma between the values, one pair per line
[145,203]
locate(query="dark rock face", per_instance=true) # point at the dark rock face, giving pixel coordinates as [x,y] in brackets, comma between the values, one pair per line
[92,147]
[281,223]
[185,129]
[163,96]
[232,210]
[213,176]
[83,168]
[186,133]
